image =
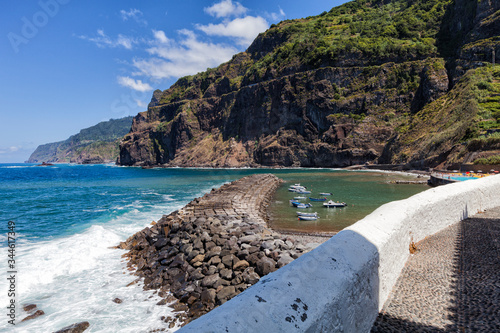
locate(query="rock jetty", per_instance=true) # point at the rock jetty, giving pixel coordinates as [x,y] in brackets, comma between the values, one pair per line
[212,249]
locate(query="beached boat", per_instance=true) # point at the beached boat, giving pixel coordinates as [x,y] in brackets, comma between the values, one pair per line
[331,204]
[307,214]
[317,199]
[308,218]
[325,193]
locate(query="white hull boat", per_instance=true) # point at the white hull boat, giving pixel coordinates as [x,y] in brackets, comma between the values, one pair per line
[333,204]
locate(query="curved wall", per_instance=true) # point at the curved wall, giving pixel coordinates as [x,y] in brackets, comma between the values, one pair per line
[342,284]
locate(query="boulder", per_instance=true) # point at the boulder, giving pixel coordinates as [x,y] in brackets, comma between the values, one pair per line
[226,293]
[209,281]
[265,266]
[75,328]
[37,314]
[241,265]
[284,259]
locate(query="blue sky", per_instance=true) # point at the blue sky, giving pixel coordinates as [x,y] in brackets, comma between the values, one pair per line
[69,64]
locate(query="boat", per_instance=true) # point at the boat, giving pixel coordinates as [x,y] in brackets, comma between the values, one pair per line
[307,214]
[317,199]
[325,193]
[308,218]
[303,192]
[299,198]
[297,188]
[332,203]
[303,205]
[296,204]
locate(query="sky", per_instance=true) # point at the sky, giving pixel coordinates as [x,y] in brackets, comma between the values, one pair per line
[66,65]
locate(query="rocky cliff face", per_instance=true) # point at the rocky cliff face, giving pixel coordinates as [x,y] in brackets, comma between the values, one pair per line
[329,91]
[93,145]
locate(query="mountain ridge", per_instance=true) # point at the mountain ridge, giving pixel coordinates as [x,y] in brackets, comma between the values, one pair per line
[332,90]
[95,144]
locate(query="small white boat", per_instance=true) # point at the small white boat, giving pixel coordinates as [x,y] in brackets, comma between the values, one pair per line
[299,198]
[331,204]
[302,205]
[325,193]
[304,192]
[297,188]
[308,218]
[307,214]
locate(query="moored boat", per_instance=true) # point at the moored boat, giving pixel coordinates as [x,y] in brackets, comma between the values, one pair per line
[307,214]
[304,192]
[331,204]
[299,198]
[296,204]
[325,193]
[308,218]
[297,188]
[303,205]
[317,199]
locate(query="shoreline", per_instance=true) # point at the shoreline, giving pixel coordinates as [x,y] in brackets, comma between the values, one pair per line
[214,248]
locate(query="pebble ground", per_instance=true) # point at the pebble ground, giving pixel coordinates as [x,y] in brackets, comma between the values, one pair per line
[452,284]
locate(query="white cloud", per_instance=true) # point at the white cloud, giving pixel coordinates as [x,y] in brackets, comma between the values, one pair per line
[141,103]
[103,40]
[244,30]
[134,14]
[226,8]
[134,84]
[10,149]
[276,16]
[187,56]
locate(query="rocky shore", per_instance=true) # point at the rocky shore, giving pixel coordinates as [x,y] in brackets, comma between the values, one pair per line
[214,248]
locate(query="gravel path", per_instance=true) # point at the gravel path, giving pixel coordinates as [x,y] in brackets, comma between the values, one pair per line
[452,284]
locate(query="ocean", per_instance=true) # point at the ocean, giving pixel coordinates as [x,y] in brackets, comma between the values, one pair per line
[67,218]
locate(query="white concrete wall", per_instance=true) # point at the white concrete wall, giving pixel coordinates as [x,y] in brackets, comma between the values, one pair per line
[341,285]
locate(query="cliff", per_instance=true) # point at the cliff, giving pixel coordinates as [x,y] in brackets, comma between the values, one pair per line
[368,81]
[95,144]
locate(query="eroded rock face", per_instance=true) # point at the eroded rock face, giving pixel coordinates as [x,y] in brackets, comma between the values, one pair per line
[319,118]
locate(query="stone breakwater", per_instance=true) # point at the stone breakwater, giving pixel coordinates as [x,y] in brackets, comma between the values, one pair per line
[212,249]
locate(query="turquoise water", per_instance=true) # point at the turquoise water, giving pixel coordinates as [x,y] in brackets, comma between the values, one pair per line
[68,218]
[363,192]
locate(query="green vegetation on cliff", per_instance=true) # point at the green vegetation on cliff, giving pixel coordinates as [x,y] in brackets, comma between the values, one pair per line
[95,144]
[368,81]
[464,120]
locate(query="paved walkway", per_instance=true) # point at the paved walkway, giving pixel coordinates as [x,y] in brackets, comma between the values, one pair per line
[452,284]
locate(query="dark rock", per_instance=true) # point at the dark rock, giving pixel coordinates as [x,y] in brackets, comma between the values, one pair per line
[197,274]
[228,260]
[29,307]
[214,251]
[284,259]
[265,266]
[37,314]
[117,300]
[226,293]
[241,265]
[208,296]
[214,260]
[75,328]
[226,274]
[210,280]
